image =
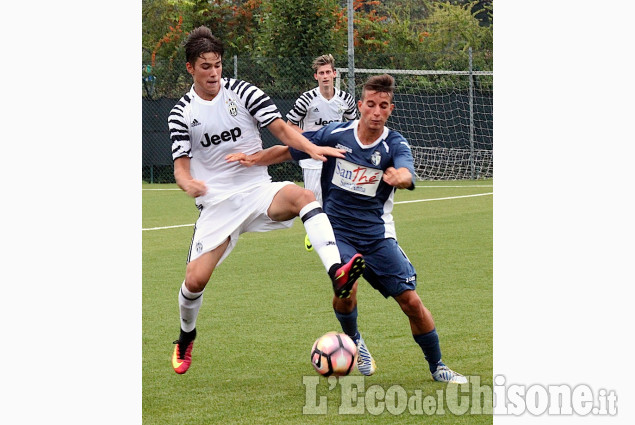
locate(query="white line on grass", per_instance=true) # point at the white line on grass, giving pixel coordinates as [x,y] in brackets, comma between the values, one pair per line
[444,199]
[169,227]
[433,187]
[473,185]
[401,202]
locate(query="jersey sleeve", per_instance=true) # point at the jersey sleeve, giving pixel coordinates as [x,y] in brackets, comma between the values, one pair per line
[297,155]
[318,137]
[257,102]
[351,112]
[403,157]
[179,130]
[299,110]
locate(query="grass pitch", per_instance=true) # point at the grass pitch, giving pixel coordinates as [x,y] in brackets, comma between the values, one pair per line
[268,302]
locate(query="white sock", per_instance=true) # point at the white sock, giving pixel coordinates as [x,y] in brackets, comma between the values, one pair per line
[189,304]
[318,227]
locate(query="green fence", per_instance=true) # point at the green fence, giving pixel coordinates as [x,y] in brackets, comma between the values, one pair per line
[446,115]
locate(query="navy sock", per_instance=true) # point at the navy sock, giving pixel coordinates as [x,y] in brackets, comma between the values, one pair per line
[349,323]
[429,343]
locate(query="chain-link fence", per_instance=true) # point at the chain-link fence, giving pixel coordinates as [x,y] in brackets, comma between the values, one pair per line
[446,114]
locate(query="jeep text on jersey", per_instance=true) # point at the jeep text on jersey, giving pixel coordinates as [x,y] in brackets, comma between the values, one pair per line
[323,122]
[225,136]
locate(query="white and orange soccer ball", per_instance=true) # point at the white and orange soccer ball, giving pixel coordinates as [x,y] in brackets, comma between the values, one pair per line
[334,354]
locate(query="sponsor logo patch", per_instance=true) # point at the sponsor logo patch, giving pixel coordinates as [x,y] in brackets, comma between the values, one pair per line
[356,178]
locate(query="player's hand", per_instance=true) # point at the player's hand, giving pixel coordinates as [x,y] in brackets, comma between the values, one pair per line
[321,152]
[244,159]
[399,178]
[195,188]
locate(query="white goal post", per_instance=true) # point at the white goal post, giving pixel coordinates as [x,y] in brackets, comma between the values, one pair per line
[446,116]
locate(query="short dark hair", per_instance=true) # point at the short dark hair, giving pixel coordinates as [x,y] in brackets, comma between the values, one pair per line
[201,40]
[380,83]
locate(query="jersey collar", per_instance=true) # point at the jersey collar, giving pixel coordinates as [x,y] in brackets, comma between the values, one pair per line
[383,136]
[199,99]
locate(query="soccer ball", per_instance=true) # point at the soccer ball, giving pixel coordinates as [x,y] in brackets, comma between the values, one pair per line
[333,354]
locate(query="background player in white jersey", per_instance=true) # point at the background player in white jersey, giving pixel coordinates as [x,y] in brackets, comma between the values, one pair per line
[216,118]
[313,110]
[358,193]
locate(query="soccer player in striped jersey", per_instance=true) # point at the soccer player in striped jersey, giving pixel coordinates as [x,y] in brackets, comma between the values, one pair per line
[358,192]
[218,117]
[313,110]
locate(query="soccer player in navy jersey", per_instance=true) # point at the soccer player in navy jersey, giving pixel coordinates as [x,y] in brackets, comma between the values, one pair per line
[358,192]
[217,117]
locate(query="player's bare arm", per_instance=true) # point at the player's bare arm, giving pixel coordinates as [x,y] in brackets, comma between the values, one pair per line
[400,178]
[295,127]
[292,138]
[184,179]
[273,155]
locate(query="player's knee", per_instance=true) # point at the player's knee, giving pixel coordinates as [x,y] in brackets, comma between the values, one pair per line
[194,285]
[297,198]
[411,304]
[194,281]
[307,197]
[302,199]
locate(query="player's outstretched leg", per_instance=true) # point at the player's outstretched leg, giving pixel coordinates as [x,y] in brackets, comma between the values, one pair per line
[425,335]
[182,356]
[321,235]
[429,343]
[344,276]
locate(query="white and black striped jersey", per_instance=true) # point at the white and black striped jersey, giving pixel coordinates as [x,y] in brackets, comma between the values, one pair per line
[312,111]
[207,131]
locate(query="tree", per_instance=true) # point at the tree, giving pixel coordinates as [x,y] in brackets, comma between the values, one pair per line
[278,39]
[421,34]
[233,21]
[162,33]
[293,32]
[454,28]
[296,28]
[166,24]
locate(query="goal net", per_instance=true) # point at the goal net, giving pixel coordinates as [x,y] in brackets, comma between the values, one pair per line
[446,116]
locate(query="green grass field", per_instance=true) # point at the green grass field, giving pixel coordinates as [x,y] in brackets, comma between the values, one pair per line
[268,302]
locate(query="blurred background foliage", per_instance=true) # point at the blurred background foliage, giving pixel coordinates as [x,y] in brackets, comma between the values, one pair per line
[280,38]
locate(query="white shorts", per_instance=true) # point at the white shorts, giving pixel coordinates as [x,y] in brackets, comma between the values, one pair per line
[241,212]
[312,182]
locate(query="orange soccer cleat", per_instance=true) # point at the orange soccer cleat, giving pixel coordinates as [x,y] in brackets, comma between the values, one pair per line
[346,275]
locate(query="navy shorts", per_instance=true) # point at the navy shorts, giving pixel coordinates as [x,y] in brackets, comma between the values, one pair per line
[388,269]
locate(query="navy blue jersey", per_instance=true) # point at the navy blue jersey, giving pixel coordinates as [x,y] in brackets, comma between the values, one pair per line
[356,199]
